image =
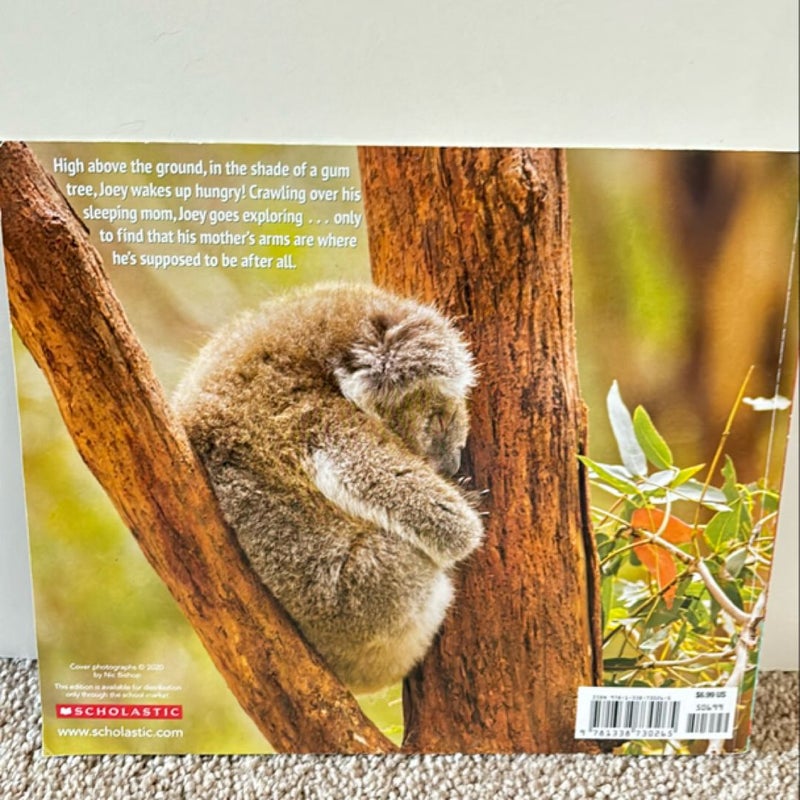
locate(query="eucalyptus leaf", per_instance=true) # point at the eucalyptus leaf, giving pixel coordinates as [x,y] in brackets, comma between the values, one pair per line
[731,590]
[749,580]
[710,496]
[630,450]
[611,567]
[632,592]
[694,490]
[619,664]
[769,500]
[662,478]
[692,616]
[729,526]
[679,639]
[614,475]
[607,596]
[698,616]
[735,561]
[684,474]
[658,637]
[652,442]
[729,488]
[675,496]
[745,520]
[696,589]
[721,529]
[662,616]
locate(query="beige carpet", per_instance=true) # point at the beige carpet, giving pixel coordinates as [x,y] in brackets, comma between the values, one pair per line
[768,772]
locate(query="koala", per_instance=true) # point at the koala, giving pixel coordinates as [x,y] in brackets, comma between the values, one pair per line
[330,421]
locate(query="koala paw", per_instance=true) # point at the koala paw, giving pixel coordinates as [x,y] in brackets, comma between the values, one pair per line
[455,529]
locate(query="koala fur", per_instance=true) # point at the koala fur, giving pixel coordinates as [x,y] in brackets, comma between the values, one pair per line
[329,421]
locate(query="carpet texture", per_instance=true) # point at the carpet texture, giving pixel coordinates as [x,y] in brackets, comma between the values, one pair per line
[769,771]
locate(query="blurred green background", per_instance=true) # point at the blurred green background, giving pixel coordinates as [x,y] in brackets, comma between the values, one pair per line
[680,262]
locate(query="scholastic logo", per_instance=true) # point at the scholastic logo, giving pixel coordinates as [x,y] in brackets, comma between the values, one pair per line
[118,711]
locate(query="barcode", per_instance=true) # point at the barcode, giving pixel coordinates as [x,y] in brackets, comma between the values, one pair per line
[707,723]
[619,712]
[628,715]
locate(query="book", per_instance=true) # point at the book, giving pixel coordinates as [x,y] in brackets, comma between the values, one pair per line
[354,449]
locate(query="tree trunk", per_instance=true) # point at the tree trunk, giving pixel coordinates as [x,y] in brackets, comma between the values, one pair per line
[484,234]
[69,318]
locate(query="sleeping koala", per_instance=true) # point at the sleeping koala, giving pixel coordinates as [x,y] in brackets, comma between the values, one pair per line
[329,421]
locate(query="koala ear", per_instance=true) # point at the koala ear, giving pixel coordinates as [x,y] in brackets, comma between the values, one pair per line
[396,354]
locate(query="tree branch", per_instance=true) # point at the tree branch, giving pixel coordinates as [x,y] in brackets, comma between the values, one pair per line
[701,658]
[745,644]
[698,565]
[69,318]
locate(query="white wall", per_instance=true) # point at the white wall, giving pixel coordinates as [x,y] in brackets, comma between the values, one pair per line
[16,601]
[692,73]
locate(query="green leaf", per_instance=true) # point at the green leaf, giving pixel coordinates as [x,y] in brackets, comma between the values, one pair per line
[695,491]
[630,450]
[735,524]
[652,442]
[745,520]
[714,608]
[611,567]
[696,589]
[684,630]
[614,475]
[657,638]
[735,561]
[748,585]
[732,592]
[631,593]
[684,474]
[662,478]
[767,500]
[721,529]
[698,617]
[619,664]
[729,488]
[662,616]
[607,596]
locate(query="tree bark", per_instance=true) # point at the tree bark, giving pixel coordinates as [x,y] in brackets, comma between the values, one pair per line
[484,234]
[67,315]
